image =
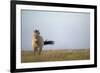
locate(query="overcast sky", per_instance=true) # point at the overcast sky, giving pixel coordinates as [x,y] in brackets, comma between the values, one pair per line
[68,30]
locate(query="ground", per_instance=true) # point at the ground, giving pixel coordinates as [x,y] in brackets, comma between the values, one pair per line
[55,55]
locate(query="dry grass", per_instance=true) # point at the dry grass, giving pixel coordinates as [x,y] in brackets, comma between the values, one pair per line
[55,55]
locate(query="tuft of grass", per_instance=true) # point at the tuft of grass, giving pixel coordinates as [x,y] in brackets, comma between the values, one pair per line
[55,55]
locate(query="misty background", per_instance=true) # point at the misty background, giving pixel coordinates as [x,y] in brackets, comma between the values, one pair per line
[69,30]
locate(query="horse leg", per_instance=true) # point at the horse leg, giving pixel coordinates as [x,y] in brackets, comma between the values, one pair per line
[35,51]
[40,50]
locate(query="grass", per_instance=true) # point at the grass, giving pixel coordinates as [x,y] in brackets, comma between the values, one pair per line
[56,55]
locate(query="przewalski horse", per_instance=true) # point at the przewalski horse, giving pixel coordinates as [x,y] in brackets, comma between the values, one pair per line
[38,42]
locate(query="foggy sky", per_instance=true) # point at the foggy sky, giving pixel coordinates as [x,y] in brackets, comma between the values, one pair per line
[68,30]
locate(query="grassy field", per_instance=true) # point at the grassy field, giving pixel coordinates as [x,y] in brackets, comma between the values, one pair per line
[55,55]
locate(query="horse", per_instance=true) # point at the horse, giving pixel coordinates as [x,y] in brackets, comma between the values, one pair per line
[38,42]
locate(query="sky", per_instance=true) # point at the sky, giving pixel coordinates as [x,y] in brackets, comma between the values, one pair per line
[69,30]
